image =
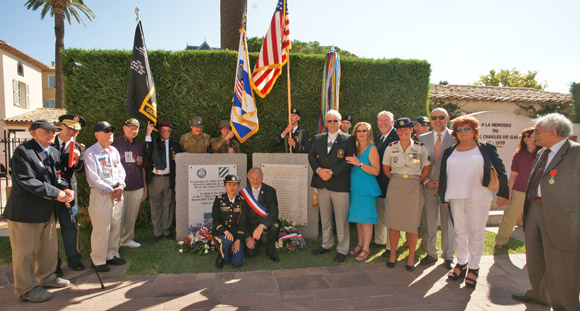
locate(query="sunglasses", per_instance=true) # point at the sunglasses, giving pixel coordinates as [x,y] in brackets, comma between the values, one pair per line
[527,135]
[108,131]
[434,118]
[465,129]
[165,131]
[361,131]
[331,121]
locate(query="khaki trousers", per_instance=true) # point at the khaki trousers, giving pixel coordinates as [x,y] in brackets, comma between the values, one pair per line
[106,219]
[337,203]
[381,230]
[34,253]
[162,201]
[131,202]
[510,216]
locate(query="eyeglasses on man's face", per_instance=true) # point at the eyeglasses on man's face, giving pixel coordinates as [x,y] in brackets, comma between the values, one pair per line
[332,121]
[441,117]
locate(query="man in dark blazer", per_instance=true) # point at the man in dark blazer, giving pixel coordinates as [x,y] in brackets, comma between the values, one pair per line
[261,206]
[552,217]
[387,135]
[36,189]
[70,126]
[436,142]
[331,179]
[161,178]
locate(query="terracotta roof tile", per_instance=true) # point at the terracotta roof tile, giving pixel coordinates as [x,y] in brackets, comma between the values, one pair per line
[517,95]
[17,52]
[51,114]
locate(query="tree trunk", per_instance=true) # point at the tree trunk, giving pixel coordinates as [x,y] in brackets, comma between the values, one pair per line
[59,34]
[231,15]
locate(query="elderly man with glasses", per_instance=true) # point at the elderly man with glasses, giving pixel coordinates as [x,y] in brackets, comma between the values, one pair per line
[332,182]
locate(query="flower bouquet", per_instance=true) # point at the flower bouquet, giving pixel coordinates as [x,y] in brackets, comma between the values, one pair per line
[289,238]
[199,240]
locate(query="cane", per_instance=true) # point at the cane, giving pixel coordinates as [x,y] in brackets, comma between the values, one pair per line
[83,243]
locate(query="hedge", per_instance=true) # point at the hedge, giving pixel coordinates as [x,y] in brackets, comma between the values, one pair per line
[190,83]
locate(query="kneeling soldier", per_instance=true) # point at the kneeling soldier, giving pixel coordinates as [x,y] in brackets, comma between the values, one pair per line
[262,210]
[229,222]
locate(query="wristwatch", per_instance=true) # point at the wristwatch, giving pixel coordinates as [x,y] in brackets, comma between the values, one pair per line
[360,165]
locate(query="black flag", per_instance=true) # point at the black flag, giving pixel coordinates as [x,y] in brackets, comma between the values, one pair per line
[141,99]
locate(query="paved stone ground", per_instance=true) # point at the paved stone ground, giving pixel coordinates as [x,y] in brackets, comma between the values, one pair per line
[368,286]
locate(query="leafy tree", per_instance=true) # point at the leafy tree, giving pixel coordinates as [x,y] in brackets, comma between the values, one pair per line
[511,78]
[231,15]
[60,10]
[575,91]
[255,43]
[443,82]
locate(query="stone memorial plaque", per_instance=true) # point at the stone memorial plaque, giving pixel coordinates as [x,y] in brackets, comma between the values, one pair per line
[198,180]
[291,184]
[205,182]
[503,130]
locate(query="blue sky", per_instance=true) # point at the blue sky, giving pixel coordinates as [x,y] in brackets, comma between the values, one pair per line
[460,39]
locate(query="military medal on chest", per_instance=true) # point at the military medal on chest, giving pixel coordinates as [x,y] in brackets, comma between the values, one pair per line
[552,175]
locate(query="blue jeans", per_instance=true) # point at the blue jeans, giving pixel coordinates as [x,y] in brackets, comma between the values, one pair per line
[69,233]
[225,247]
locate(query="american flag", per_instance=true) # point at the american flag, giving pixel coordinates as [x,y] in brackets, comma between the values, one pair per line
[274,51]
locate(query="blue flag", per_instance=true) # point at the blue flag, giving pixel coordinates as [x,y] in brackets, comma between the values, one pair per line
[244,117]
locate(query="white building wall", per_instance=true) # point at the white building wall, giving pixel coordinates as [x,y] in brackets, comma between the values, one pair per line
[32,77]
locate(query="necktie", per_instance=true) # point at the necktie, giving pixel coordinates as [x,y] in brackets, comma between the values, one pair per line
[537,175]
[437,148]
[62,147]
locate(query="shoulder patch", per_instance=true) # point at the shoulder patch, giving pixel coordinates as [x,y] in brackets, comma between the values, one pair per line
[394,143]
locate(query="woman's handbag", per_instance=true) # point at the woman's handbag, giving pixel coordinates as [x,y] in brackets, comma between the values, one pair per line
[493,179]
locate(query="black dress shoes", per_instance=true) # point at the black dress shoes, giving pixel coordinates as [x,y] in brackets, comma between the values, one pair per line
[274,257]
[386,254]
[410,268]
[219,262]
[76,266]
[320,250]
[58,272]
[524,298]
[391,264]
[116,261]
[428,260]
[339,258]
[449,264]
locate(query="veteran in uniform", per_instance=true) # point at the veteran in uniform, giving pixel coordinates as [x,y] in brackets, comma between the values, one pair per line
[106,177]
[70,125]
[331,179]
[406,164]
[225,143]
[195,141]
[229,221]
[293,137]
[346,124]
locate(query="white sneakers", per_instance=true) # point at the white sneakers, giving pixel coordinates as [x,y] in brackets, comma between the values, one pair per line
[131,244]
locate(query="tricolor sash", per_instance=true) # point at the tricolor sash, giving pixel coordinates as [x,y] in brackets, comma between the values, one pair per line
[253,202]
[286,236]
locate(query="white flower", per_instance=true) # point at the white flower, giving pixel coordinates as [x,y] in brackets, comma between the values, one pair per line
[206,251]
[206,247]
[180,251]
[180,242]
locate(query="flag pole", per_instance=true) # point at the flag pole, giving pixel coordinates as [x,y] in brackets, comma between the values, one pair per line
[137,13]
[288,79]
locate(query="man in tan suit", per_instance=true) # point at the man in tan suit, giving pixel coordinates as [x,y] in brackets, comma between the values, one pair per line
[552,217]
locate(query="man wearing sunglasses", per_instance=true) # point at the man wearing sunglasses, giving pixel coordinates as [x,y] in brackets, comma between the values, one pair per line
[106,177]
[331,178]
[436,142]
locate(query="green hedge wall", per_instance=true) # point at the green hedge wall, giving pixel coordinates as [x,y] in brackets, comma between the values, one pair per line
[190,83]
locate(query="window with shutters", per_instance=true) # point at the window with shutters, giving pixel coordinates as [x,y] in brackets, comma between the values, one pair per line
[51,82]
[50,103]
[20,69]
[20,94]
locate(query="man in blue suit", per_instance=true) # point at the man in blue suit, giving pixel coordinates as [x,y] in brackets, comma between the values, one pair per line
[37,187]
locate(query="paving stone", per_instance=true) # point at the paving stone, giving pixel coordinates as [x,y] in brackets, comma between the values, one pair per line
[349,279]
[258,285]
[301,282]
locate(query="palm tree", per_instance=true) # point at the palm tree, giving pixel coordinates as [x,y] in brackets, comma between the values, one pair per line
[231,14]
[60,10]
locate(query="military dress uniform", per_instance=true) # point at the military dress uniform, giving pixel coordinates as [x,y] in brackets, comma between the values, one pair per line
[229,216]
[405,198]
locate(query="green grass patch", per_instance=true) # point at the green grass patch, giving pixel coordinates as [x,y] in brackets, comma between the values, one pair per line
[163,257]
